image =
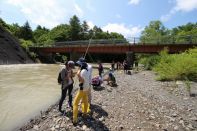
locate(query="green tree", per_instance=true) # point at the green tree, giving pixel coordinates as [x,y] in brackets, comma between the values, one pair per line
[15,29]
[39,31]
[3,24]
[26,32]
[60,33]
[155,32]
[116,35]
[75,28]
[84,31]
[97,32]
[185,33]
[43,40]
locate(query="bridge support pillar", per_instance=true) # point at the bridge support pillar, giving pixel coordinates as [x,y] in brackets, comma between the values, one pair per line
[130,56]
[75,56]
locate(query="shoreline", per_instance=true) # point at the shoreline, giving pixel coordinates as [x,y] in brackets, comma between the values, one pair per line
[37,119]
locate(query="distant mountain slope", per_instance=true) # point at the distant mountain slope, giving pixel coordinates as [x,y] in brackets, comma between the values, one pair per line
[10,50]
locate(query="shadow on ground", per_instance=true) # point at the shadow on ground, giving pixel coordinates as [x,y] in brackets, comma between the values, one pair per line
[94,121]
[193,95]
[98,88]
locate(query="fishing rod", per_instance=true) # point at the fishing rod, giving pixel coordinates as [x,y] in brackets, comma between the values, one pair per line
[90,40]
[87,47]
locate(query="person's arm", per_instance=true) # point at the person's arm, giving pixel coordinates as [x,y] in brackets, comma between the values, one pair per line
[73,73]
[81,79]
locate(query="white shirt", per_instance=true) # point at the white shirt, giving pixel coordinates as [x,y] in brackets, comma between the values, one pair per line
[90,72]
[85,75]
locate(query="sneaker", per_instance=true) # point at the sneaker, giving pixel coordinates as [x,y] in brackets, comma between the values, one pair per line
[74,123]
[70,105]
[86,116]
[62,111]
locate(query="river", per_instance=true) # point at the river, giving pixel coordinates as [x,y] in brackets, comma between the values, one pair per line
[25,90]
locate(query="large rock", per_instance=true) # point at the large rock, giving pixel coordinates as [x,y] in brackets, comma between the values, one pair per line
[10,50]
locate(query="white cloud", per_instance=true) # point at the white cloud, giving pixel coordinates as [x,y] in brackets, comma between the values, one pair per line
[181,5]
[90,24]
[185,5]
[48,13]
[134,2]
[131,31]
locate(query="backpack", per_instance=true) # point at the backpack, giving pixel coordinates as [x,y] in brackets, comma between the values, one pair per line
[59,78]
[96,81]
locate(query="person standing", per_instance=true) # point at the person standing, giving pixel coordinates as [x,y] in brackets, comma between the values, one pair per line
[112,65]
[82,93]
[118,65]
[100,69]
[89,67]
[125,66]
[66,84]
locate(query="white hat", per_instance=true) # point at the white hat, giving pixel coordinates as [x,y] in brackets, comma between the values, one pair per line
[71,64]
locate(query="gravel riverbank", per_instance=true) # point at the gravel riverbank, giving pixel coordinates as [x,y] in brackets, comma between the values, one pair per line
[139,102]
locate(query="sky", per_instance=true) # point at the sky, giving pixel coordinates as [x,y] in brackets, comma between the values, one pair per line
[128,17]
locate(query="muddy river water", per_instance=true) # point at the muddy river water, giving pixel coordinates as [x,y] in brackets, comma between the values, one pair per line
[25,90]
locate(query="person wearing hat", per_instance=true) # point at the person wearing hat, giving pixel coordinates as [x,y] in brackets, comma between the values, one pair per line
[83,77]
[89,67]
[67,83]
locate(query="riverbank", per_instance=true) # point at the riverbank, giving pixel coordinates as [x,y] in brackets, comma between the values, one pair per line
[139,102]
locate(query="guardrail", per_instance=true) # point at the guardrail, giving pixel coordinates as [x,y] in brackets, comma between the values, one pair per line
[86,42]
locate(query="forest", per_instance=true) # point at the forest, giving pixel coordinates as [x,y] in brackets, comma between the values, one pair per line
[154,33]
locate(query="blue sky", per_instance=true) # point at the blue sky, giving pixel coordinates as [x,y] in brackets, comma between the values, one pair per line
[128,17]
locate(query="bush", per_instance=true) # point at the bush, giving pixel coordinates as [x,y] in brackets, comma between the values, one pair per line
[149,61]
[33,55]
[60,57]
[25,44]
[177,66]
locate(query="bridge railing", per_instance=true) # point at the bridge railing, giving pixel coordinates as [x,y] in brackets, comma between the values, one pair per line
[185,39]
[97,41]
[188,39]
